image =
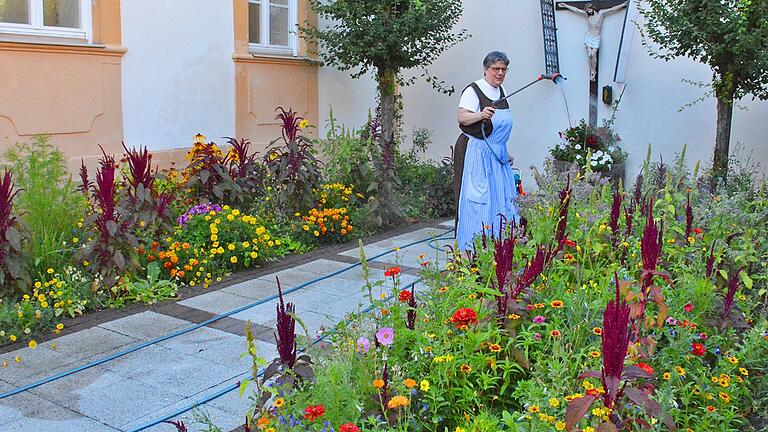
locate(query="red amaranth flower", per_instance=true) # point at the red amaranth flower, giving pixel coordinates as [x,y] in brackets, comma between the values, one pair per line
[504,251]
[313,412]
[733,286]
[140,168]
[392,271]
[85,183]
[464,317]
[290,126]
[615,341]
[711,260]
[615,214]
[698,349]
[688,217]
[285,338]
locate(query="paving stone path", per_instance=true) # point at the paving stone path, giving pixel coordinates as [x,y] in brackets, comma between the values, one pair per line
[136,389]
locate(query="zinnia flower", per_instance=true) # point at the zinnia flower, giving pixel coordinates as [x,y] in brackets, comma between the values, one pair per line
[405,295]
[464,317]
[698,349]
[646,367]
[349,427]
[313,412]
[539,319]
[392,271]
[385,336]
[397,402]
[409,383]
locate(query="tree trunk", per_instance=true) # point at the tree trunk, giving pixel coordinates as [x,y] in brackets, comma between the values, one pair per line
[387,207]
[723,138]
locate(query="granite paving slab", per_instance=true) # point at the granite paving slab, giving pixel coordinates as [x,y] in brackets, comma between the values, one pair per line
[254,289]
[34,363]
[217,302]
[146,325]
[450,223]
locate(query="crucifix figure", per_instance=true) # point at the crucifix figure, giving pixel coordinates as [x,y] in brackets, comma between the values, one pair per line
[592,37]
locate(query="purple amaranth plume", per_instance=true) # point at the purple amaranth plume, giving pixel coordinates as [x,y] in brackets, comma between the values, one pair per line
[410,322]
[290,126]
[503,255]
[562,222]
[615,341]
[105,194]
[180,427]
[650,244]
[238,156]
[629,212]
[140,167]
[688,218]
[711,260]
[615,214]
[85,183]
[532,270]
[6,209]
[285,338]
[733,286]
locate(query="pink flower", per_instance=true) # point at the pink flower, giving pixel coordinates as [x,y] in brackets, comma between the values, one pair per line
[539,319]
[385,336]
[363,345]
[688,307]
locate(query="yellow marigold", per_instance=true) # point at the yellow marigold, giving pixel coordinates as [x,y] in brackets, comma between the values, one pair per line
[397,402]
[378,383]
[424,385]
[32,344]
[409,383]
[233,260]
[554,402]
[560,425]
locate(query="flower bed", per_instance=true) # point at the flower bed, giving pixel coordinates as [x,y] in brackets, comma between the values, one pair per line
[604,312]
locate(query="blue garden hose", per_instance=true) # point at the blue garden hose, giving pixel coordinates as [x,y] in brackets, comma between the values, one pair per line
[138,347]
[236,385]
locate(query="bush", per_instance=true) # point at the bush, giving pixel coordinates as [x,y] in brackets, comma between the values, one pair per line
[48,202]
[426,188]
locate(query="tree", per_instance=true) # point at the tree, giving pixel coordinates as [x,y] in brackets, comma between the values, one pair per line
[730,36]
[386,37]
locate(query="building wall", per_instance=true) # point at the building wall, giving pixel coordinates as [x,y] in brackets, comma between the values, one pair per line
[648,113]
[178,73]
[71,92]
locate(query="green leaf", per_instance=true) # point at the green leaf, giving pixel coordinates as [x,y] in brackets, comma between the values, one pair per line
[746,280]
[243,386]
[724,274]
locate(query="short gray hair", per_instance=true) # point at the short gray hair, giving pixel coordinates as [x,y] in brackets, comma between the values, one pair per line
[493,57]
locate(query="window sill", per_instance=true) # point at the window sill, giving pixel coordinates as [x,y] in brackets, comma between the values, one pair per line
[68,46]
[260,57]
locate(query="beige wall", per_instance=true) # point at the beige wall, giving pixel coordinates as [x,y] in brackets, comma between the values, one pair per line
[262,83]
[71,92]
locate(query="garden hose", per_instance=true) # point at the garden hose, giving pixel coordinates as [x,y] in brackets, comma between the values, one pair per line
[157,340]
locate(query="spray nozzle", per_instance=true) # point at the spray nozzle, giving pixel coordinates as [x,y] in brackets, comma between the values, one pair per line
[555,77]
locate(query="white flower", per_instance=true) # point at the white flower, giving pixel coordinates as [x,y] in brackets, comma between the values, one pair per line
[578,156]
[599,153]
[593,163]
[561,146]
[577,147]
[611,149]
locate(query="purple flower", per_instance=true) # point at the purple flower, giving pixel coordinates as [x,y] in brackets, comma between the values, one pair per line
[671,321]
[363,345]
[537,336]
[385,336]
[538,319]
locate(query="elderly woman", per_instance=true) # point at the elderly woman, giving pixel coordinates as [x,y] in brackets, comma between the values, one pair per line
[484,178]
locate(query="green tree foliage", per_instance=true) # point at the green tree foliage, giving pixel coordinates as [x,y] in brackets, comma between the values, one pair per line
[386,37]
[730,36]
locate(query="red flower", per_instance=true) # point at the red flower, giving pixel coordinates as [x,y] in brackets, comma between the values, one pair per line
[591,141]
[392,271]
[570,243]
[464,317]
[646,367]
[592,392]
[698,349]
[349,427]
[405,295]
[697,230]
[313,412]
[688,307]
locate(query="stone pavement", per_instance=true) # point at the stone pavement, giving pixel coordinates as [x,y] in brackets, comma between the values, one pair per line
[135,389]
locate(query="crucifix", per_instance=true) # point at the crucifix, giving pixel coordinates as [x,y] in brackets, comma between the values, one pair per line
[595,11]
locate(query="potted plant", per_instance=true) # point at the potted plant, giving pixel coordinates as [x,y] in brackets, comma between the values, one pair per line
[593,147]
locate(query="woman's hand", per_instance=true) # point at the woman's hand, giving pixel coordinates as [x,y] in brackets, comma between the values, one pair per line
[487,113]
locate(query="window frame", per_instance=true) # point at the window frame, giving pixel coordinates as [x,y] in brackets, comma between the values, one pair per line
[292,48]
[37,27]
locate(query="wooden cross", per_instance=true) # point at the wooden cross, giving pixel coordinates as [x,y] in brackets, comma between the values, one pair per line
[593,84]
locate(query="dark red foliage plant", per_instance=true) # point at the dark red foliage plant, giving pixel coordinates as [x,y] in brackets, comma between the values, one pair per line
[285,338]
[85,183]
[615,376]
[13,272]
[615,215]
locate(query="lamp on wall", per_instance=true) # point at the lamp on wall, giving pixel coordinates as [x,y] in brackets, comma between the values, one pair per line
[607,94]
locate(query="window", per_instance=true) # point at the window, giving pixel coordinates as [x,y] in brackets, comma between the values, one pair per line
[270,26]
[57,18]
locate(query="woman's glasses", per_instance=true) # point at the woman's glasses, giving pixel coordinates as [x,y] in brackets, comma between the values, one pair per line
[496,69]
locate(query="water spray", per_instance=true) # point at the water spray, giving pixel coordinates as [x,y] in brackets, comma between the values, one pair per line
[555,78]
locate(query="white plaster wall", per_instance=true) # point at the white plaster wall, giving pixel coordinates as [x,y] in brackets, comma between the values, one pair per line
[648,112]
[178,76]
